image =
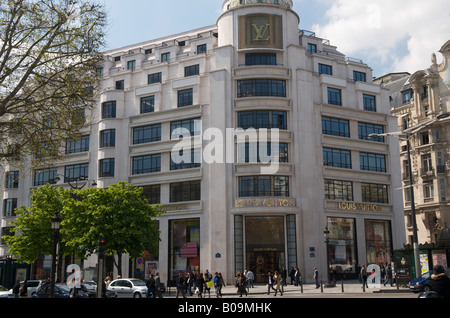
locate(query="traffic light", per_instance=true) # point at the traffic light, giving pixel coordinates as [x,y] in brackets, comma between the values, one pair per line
[101,247]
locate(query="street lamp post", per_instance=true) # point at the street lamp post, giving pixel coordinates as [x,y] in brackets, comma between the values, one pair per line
[56,224]
[326,234]
[407,135]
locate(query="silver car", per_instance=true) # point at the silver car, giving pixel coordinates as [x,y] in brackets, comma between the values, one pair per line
[128,288]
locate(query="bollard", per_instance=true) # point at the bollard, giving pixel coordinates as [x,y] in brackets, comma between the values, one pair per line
[342,284]
[301,287]
[364,287]
[321,287]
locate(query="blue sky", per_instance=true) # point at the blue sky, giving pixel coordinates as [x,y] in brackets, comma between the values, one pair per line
[390,36]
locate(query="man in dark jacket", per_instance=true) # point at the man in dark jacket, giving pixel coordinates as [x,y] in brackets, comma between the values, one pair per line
[440,282]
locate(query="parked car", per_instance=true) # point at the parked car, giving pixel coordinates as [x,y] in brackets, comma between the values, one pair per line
[128,288]
[5,293]
[61,291]
[422,283]
[89,289]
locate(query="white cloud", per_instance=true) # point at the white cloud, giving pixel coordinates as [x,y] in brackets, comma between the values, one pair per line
[396,35]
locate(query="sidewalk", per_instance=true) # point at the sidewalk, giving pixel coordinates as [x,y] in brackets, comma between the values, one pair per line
[350,287]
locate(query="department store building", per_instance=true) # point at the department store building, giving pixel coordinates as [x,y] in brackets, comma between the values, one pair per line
[227,209]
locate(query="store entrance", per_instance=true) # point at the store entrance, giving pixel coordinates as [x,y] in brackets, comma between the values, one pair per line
[263,262]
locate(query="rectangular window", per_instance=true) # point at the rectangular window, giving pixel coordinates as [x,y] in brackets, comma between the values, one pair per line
[365,129]
[152,193]
[338,190]
[343,246]
[44,176]
[191,70]
[260,59]
[337,158]
[185,97]
[9,207]
[106,167]
[427,165]
[146,164]
[185,191]
[77,145]
[201,49]
[193,126]
[372,162]
[264,186]
[262,119]
[108,138]
[131,65]
[378,241]
[109,110]
[252,152]
[335,127]
[369,103]
[76,172]
[374,193]
[406,96]
[147,104]
[312,48]
[165,57]
[120,85]
[155,78]
[192,161]
[359,76]
[261,87]
[325,69]
[334,96]
[428,190]
[12,180]
[146,134]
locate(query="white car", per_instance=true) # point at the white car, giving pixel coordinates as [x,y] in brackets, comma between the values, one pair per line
[5,293]
[128,288]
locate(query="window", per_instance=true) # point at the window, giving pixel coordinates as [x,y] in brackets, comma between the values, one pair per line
[374,193]
[192,125]
[108,138]
[44,176]
[372,162]
[261,87]
[369,103]
[325,69]
[120,85]
[146,164]
[312,48]
[152,193]
[201,49]
[359,76]
[338,190]
[12,180]
[106,168]
[260,59]
[194,160]
[155,78]
[334,96]
[378,241]
[337,158]
[185,191]
[191,70]
[335,127]
[262,119]
[428,190]
[146,134]
[147,104]
[264,186]
[9,207]
[406,96]
[185,97]
[424,138]
[251,152]
[131,65]
[109,110]
[427,165]
[365,129]
[165,57]
[77,145]
[76,172]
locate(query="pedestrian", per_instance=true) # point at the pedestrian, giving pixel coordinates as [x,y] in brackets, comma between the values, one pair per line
[292,275]
[158,285]
[190,283]
[358,270]
[316,277]
[283,277]
[269,282]
[364,275]
[440,282]
[216,282]
[222,284]
[278,281]
[388,275]
[151,286]
[251,279]
[297,277]
[242,281]
[208,278]
[181,285]
[16,289]
[23,290]
[200,282]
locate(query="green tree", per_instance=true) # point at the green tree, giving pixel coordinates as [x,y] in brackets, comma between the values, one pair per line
[50,51]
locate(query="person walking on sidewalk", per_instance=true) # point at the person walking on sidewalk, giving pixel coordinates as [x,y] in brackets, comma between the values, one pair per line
[278,281]
[242,281]
[181,285]
[269,282]
[388,275]
[316,277]
[250,278]
[364,275]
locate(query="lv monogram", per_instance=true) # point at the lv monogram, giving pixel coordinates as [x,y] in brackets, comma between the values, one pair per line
[262,32]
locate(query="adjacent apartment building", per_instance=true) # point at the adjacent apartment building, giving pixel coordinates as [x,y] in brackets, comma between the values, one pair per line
[419,100]
[250,87]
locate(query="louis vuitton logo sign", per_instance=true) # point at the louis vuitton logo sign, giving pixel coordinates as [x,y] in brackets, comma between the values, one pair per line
[262,32]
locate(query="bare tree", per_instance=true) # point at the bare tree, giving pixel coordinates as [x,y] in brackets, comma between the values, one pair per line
[49,54]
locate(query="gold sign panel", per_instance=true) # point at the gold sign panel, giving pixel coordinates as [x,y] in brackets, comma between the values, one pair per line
[260,31]
[353,206]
